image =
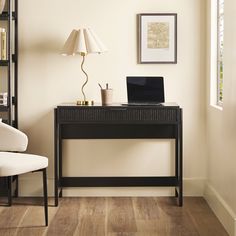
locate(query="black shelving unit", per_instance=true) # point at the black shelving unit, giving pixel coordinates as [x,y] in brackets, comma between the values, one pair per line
[10,17]
[9,113]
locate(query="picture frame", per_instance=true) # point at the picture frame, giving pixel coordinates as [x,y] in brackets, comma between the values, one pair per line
[157,38]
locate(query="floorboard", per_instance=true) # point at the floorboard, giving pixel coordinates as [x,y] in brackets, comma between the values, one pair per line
[92,217]
[121,217]
[111,216]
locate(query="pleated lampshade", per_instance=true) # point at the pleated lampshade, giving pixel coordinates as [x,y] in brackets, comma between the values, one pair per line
[82,41]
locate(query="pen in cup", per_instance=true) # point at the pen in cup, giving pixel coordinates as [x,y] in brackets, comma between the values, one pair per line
[100,86]
[107,87]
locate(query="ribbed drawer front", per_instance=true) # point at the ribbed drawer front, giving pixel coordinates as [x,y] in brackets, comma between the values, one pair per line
[113,115]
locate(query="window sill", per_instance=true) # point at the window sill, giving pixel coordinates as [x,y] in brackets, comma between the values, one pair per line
[218,107]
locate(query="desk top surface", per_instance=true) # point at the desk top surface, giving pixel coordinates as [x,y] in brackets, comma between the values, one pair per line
[99,105]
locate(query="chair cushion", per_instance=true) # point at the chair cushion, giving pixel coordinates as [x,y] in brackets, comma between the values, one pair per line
[19,163]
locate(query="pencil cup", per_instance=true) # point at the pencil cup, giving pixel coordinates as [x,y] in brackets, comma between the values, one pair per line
[106,95]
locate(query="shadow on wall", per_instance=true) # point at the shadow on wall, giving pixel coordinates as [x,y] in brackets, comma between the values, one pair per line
[118,157]
[44,46]
[40,132]
[230,117]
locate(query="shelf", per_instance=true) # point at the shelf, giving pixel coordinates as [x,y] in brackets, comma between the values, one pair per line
[4,62]
[7,122]
[4,108]
[13,101]
[8,19]
[6,16]
[10,79]
[14,58]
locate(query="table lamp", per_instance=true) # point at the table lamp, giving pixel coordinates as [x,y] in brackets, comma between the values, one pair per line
[83,42]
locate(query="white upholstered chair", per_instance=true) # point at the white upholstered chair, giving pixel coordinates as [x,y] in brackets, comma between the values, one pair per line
[13,163]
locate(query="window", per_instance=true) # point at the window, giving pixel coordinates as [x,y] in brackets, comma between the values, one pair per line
[220,50]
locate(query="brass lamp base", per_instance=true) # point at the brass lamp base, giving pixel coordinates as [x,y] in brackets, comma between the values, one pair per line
[85,103]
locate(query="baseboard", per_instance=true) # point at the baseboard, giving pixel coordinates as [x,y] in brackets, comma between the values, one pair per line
[33,187]
[221,209]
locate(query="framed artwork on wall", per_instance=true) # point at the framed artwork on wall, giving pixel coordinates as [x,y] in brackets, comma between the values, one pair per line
[157,38]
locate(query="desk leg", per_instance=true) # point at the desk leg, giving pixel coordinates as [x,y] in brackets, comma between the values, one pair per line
[56,147]
[176,162]
[60,160]
[60,193]
[180,160]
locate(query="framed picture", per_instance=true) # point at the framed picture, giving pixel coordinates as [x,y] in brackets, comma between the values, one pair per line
[157,34]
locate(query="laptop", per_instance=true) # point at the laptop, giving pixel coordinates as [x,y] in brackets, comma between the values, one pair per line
[145,90]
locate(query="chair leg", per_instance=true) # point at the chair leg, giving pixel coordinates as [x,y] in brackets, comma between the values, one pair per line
[45,194]
[17,185]
[9,189]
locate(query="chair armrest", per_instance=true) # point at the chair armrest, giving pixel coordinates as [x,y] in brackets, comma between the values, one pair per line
[12,139]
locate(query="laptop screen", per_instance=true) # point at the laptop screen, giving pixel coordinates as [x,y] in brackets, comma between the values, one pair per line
[145,89]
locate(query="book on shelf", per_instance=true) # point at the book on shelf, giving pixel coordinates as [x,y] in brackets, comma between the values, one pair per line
[3,102]
[3,44]
[3,99]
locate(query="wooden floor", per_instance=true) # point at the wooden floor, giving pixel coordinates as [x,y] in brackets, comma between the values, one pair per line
[141,216]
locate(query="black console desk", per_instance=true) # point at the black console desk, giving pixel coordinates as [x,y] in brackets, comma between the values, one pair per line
[118,122]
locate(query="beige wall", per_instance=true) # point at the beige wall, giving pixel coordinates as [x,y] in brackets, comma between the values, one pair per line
[47,79]
[221,129]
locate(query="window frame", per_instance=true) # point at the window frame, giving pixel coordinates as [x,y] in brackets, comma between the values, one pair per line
[220,58]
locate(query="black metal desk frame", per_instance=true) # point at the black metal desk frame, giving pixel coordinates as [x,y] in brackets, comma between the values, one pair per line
[118,122]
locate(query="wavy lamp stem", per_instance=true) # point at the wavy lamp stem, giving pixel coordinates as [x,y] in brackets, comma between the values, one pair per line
[84,102]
